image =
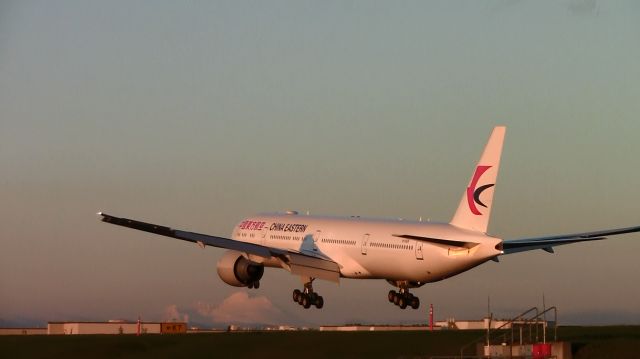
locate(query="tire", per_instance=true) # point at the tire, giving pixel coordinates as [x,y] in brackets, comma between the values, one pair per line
[392,293]
[402,302]
[319,302]
[396,299]
[296,295]
[313,297]
[415,303]
[306,302]
[256,284]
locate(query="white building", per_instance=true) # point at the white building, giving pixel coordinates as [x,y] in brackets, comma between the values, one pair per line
[483,324]
[374,328]
[115,327]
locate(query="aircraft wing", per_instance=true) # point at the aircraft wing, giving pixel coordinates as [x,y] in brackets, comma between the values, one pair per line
[547,243]
[300,263]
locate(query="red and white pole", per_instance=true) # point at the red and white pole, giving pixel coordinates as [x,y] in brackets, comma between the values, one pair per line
[431,317]
[138,327]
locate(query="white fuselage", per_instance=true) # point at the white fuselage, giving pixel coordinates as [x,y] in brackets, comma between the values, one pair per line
[371,248]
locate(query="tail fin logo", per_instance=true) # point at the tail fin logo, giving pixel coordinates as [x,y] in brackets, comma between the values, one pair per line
[473,193]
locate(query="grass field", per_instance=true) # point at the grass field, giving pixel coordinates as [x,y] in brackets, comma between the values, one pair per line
[588,342]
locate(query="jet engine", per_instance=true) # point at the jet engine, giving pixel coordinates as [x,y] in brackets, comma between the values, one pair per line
[236,270]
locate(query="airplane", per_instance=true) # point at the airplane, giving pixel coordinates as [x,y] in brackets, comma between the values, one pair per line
[407,254]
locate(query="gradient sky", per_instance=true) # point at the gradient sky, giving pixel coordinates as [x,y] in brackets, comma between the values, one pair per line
[196,114]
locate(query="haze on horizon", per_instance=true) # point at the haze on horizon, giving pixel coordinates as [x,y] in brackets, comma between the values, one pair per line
[197,114]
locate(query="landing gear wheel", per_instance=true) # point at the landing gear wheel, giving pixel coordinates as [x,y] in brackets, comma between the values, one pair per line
[307,297]
[392,294]
[256,284]
[403,298]
[415,302]
[313,297]
[250,285]
[306,302]
[402,302]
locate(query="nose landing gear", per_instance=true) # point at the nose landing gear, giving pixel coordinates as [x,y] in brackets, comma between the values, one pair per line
[307,297]
[403,299]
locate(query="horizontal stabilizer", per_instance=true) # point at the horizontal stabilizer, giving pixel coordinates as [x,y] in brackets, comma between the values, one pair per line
[547,243]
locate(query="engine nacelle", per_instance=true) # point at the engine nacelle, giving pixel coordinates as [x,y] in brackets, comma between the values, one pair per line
[236,270]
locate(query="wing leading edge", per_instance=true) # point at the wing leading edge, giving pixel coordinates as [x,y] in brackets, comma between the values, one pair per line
[547,243]
[298,263]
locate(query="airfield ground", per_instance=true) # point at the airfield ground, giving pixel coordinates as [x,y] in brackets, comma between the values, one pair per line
[588,342]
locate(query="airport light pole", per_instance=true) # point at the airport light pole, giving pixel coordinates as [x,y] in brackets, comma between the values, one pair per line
[430,317]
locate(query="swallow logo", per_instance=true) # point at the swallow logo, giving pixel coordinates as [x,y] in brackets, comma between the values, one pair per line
[473,193]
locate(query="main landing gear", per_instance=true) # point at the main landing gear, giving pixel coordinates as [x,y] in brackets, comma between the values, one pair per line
[307,297]
[403,299]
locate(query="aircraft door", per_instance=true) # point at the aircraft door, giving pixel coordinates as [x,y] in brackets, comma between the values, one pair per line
[365,243]
[419,250]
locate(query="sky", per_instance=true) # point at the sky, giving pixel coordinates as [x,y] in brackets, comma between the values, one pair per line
[197,114]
